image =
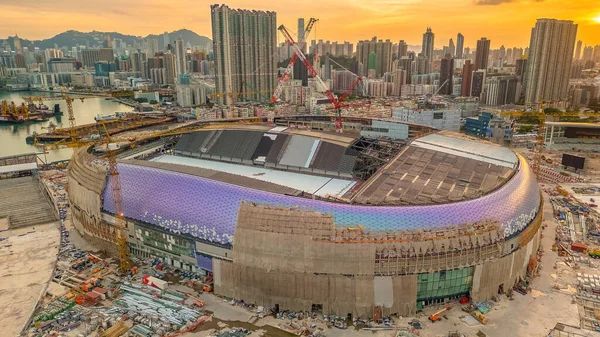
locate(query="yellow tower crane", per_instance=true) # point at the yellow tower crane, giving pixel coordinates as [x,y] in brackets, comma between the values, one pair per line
[65,96]
[113,173]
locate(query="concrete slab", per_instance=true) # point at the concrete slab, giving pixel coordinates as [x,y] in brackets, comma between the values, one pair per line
[27,259]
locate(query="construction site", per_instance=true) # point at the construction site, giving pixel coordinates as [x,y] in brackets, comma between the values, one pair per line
[267,221]
[283,225]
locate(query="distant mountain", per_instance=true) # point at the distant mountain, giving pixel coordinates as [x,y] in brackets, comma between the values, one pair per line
[185,34]
[93,39]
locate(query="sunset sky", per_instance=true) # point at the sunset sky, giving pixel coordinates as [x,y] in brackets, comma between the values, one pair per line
[504,22]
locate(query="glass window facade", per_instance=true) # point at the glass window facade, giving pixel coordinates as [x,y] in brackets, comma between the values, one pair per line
[433,288]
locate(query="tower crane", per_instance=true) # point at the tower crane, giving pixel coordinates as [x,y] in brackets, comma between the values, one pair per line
[290,67]
[428,96]
[337,103]
[64,96]
[113,173]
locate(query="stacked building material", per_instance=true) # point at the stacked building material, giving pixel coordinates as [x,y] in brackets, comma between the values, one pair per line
[135,300]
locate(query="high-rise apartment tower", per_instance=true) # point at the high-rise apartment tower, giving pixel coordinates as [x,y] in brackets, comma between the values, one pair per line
[482,53]
[549,62]
[244,45]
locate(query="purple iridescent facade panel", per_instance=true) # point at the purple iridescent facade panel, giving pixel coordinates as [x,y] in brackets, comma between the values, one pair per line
[207,209]
[204,262]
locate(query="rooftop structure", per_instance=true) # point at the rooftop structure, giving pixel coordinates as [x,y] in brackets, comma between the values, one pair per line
[312,217]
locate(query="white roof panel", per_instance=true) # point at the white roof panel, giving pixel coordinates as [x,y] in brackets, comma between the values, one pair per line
[320,186]
[489,153]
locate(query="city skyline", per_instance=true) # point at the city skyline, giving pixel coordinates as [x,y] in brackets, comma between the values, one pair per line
[504,22]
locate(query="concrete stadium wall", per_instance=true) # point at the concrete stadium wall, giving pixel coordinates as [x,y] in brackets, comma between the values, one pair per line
[86,184]
[276,260]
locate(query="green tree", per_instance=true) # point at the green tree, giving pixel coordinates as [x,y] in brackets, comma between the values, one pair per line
[550,111]
[141,100]
[152,101]
[525,128]
[594,105]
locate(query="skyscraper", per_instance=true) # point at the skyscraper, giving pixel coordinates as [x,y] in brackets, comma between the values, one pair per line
[244,41]
[152,46]
[301,33]
[460,45]
[300,29]
[402,49]
[451,48]
[169,63]
[467,77]
[549,63]
[180,59]
[427,50]
[446,72]
[588,52]
[166,40]
[578,51]
[482,53]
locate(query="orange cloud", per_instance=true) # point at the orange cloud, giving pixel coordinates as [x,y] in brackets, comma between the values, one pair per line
[504,22]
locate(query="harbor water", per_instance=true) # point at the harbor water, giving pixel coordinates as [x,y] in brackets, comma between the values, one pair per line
[12,136]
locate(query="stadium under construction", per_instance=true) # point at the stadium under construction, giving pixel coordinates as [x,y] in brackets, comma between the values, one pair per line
[385,218]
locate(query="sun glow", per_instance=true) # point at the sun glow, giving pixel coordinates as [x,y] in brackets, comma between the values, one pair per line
[596,19]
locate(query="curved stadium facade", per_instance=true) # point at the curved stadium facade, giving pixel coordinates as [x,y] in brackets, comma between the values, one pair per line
[308,220]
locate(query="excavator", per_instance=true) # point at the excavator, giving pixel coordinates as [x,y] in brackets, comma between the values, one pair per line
[437,316]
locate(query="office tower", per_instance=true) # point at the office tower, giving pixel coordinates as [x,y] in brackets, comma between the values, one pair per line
[152,46]
[301,34]
[477,82]
[446,74]
[240,53]
[467,77]
[460,44]
[180,60]
[166,40]
[549,63]
[107,54]
[427,50]
[402,49]
[300,29]
[383,56]
[169,63]
[482,53]
[578,51]
[451,48]
[89,57]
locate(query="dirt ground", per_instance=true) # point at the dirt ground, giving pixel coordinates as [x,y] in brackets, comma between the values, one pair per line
[27,259]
